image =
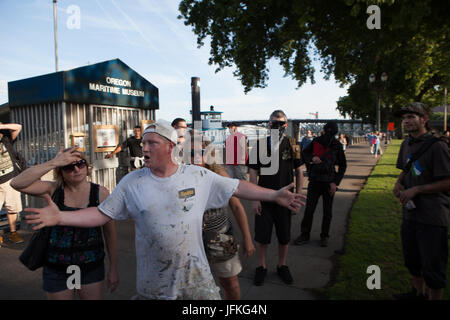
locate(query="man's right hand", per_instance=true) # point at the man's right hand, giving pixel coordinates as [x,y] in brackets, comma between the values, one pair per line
[398,189]
[66,157]
[256,207]
[109,155]
[44,217]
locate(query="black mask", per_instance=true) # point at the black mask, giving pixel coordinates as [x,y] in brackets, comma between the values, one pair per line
[275,124]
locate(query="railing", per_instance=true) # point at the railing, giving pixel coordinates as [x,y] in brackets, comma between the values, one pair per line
[357,140]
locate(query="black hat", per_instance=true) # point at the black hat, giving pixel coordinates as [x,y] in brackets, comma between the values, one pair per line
[331,127]
[414,107]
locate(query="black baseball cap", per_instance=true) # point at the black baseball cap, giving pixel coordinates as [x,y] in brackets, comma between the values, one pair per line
[331,127]
[414,107]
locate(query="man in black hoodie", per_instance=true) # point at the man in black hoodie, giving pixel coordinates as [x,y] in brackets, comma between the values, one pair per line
[321,156]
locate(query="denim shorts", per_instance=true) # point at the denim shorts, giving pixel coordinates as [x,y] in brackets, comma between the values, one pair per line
[55,280]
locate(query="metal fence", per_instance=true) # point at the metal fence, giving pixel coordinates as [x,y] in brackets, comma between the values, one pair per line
[47,129]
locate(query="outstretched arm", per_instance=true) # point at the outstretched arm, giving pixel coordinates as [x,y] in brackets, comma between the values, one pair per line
[116,150]
[283,197]
[51,216]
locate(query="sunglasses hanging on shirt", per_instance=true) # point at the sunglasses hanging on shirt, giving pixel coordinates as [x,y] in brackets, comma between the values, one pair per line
[198,152]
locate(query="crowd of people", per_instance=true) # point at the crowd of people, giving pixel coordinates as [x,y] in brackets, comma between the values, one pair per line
[183,233]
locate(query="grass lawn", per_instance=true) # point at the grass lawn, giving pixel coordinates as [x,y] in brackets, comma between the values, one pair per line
[373,238]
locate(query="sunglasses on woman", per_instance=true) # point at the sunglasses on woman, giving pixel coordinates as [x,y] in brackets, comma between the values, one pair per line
[70,167]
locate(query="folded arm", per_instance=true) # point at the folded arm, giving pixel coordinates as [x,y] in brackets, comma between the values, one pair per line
[435,187]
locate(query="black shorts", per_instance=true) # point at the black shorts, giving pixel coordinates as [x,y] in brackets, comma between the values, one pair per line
[425,250]
[56,280]
[273,214]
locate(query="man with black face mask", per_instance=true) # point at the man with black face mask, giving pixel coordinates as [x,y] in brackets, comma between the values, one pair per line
[285,156]
[320,157]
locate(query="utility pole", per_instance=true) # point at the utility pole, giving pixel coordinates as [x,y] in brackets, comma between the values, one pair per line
[445,109]
[56,35]
[378,86]
[195,90]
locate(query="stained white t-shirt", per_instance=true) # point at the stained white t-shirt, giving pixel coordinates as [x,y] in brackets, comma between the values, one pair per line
[168,213]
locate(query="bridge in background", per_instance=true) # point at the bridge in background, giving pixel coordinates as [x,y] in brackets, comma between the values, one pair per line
[298,127]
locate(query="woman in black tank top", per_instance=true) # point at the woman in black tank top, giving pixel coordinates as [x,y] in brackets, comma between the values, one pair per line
[71,246]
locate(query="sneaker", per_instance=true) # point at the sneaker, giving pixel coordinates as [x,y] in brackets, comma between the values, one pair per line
[324,242]
[260,274]
[15,237]
[301,239]
[411,295]
[285,274]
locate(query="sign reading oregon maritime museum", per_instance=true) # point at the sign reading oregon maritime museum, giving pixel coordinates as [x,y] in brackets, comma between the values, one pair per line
[110,82]
[125,87]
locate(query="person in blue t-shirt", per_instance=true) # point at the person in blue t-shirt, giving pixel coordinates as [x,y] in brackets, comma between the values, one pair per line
[306,140]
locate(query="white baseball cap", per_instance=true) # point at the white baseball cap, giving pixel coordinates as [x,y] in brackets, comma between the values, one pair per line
[164,129]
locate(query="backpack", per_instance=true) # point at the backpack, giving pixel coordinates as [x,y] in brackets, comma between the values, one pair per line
[295,149]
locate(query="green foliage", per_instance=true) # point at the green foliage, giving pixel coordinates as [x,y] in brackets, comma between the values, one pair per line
[412,45]
[439,116]
[373,238]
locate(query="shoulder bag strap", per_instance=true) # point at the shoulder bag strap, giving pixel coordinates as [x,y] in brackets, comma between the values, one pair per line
[419,153]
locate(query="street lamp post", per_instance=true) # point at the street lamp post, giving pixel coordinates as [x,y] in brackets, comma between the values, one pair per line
[55,35]
[445,109]
[378,86]
[437,87]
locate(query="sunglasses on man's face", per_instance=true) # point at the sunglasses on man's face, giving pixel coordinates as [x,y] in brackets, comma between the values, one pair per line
[277,124]
[70,167]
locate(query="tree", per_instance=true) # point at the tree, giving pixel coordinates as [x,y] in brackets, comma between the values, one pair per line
[412,45]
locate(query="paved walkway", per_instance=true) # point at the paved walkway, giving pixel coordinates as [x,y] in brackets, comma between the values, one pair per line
[311,265]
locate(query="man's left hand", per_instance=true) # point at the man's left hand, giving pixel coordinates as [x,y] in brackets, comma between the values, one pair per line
[333,188]
[408,194]
[292,201]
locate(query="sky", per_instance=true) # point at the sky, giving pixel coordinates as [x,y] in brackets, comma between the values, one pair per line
[148,37]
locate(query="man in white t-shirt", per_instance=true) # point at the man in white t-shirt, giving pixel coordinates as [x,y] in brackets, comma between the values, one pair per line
[167,202]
